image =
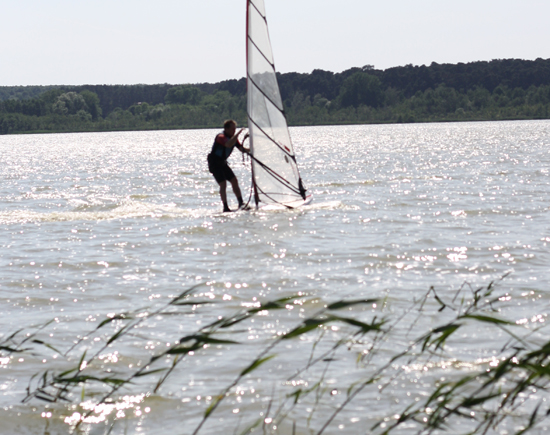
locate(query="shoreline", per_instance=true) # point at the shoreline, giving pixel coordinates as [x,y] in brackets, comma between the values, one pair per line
[326,124]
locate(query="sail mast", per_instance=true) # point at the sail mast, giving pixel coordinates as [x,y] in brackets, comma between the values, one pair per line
[250,138]
[275,175]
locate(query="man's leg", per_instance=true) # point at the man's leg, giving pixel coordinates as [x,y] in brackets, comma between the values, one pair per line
[237,190]
[223,195]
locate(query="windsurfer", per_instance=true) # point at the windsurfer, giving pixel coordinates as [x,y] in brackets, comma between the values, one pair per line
[217,161]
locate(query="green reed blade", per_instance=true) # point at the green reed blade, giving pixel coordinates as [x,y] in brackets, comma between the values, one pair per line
[345,304]
[256,364]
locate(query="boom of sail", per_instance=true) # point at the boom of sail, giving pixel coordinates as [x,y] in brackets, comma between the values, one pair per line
[275,175]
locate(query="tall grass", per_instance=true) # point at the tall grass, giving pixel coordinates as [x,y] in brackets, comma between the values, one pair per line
[449,362]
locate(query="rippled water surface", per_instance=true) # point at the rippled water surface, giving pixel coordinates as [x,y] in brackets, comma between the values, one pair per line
[103,223]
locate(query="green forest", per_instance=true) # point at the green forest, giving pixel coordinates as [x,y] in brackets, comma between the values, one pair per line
[502,89]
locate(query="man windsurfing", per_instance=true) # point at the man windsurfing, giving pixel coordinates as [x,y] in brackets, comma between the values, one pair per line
[217,161]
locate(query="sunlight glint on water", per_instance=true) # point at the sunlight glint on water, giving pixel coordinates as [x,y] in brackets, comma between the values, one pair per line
[104,223]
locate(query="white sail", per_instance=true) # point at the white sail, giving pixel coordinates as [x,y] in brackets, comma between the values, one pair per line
[275,173]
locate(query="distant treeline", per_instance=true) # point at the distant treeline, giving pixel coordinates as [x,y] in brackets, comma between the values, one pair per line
[495,90]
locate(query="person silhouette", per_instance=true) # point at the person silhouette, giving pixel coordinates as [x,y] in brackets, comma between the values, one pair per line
[223,146]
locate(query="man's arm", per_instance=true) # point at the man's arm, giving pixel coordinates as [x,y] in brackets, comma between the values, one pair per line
[234,140]
[241,148]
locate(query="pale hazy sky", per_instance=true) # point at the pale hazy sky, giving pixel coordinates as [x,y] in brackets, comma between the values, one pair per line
[54,42]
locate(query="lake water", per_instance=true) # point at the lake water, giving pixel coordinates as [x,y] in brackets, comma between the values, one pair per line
[103,223]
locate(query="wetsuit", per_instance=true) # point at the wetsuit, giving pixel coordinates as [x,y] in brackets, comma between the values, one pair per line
[217,159]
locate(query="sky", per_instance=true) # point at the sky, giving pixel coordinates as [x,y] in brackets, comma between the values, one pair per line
[75,42]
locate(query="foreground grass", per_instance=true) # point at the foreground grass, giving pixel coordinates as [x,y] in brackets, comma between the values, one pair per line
[373,350]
